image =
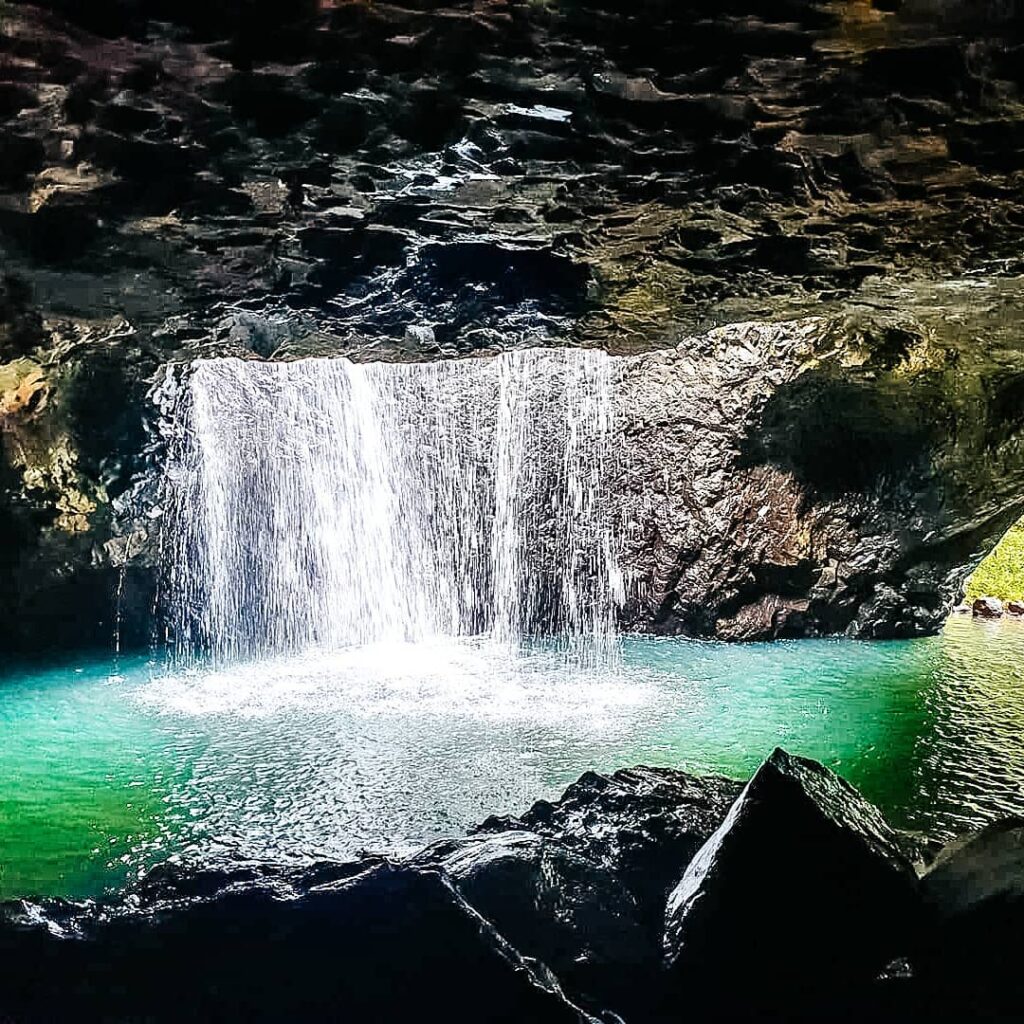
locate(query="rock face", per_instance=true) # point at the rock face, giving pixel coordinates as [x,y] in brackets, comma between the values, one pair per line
[644,824]
[987,608]
[778,482]
[802,888]
[430,180]
[975,895]
[364,942]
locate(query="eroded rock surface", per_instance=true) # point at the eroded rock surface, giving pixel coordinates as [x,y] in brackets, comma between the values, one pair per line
[422,181]
[789,479]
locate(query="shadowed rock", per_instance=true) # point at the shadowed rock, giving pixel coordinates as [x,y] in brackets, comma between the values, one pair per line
[802,890]
[644,824]
[969,963]
[562,908]
[367,942]
[799,908]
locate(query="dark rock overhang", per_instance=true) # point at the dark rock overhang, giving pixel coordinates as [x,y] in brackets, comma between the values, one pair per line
[427,181]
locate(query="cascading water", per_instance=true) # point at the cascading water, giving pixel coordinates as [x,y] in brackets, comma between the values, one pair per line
[323,503]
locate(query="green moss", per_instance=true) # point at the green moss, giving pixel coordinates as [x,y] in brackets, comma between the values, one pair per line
[1001,574]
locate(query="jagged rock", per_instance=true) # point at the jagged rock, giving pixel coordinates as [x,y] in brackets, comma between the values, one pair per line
[974,893]
[802,890]
[543,173]
[644,824]
[557,906]
[363,942]
[987,608]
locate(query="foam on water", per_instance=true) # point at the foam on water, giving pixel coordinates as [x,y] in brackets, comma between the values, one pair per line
[471,679]
[107,768]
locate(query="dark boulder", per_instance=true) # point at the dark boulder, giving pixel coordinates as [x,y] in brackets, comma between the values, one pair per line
[606,175]
[987,608]
[373,943]
[1014,608]
[645,824]
[969,961]
[802,891]
[558,907]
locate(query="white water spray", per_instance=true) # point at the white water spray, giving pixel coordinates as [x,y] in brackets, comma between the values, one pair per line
[322,503]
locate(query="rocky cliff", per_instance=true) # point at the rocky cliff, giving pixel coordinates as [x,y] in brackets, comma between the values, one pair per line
[803,222]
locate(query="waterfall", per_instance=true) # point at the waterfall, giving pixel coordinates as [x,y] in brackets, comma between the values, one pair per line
[324,503]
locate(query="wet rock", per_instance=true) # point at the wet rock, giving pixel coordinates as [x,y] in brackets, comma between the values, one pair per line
[557,906]
[987,608]
[643,824]
[598,175]
[803,890]
[1014,608]
[20,156]
[722,537]
[974,894]
[366,942]
[421,337]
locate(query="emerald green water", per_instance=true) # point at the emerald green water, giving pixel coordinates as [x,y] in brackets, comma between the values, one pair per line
[107,768]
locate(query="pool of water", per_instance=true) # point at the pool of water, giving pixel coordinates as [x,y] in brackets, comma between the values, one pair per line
[106,768]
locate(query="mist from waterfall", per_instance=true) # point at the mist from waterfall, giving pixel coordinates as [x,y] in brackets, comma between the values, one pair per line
[323,503]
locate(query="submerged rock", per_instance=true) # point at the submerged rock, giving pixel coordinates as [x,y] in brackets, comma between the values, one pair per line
[1014,608]
[802,890]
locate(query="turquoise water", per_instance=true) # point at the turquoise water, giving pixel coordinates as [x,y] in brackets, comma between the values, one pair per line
[107,768]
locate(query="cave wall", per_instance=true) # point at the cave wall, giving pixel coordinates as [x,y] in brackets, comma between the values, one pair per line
[802,478]
[431,180]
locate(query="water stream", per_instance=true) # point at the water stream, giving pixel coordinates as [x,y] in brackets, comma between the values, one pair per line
[323,503]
